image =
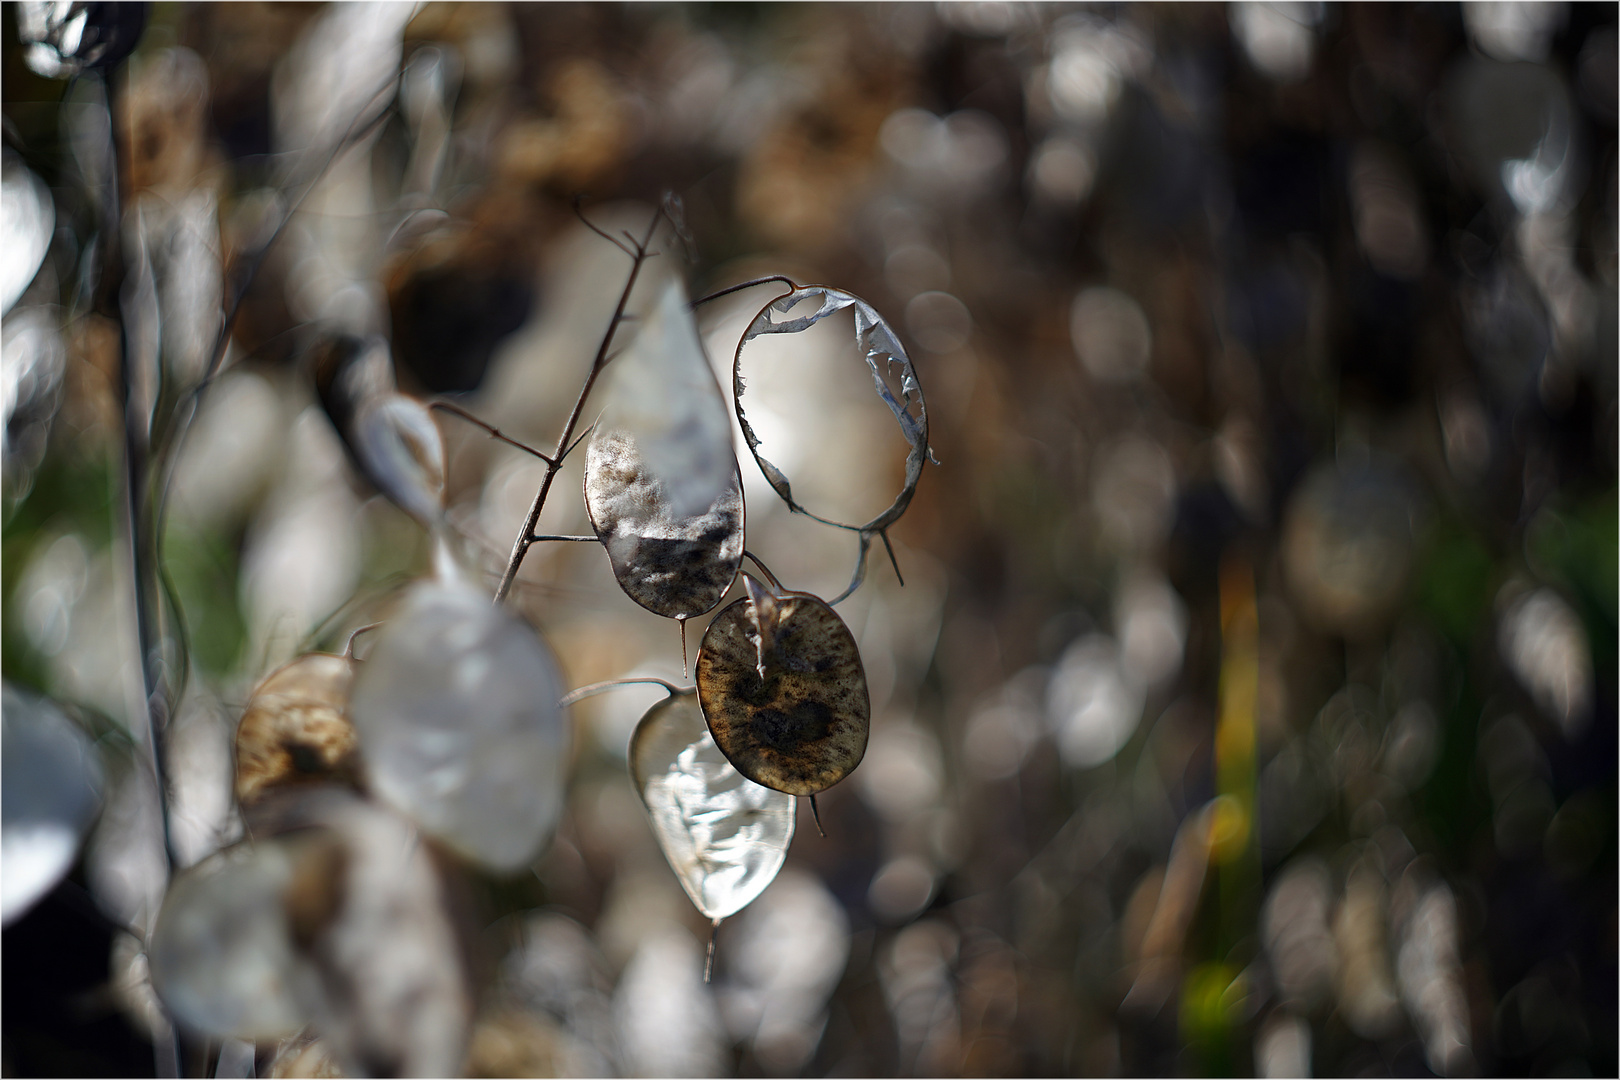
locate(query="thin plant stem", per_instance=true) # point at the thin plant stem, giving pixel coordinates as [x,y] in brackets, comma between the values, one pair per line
[494,432]
[573,697]
[751,557]
[740,286]
[166,1052]
[520,546]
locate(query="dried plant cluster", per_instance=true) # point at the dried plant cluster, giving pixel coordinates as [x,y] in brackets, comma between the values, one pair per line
[432,475]
[439,743]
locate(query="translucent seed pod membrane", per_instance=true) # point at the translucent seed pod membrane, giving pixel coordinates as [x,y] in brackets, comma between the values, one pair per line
[661,482]
[725,836]
[460,730]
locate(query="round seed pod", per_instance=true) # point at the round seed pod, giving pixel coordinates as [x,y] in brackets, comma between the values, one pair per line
[783,691]
[294,730]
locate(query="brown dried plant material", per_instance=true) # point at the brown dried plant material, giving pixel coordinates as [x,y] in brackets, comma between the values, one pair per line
[783,690]
[673,566]
[294,730]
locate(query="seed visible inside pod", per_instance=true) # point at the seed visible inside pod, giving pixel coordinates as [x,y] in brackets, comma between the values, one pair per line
[673,566]
[294,730]
[725,836]
[783,690]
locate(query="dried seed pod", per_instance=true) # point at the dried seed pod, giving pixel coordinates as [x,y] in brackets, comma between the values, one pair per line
[671,565]
[338,916]
[725,836]
[221,956]
[782,688]
[457,709]
[294,730]
[663,393]
[52,790]
[881,349]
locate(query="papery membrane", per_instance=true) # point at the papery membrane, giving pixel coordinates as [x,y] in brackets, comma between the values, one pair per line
[460,730]
[725,836]
[221,954]
[662,393]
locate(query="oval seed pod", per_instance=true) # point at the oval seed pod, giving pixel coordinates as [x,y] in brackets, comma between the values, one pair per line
[222,953]
[725,836]
[783,690]
[294,730]
[460,727]
[50,795]
[671,565]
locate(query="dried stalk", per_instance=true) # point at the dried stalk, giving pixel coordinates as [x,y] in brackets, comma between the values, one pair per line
[526,537]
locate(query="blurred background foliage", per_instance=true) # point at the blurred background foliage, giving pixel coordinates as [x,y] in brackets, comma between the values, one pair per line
[1249,706]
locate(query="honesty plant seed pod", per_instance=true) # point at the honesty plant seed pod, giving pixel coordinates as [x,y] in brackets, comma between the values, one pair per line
[671,565]
[783,690]
[456,706]
[725,836]
[221,955]
[294,730]
[52,790]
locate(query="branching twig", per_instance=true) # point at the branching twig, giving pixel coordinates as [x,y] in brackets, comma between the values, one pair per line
[494,432]
[565,443]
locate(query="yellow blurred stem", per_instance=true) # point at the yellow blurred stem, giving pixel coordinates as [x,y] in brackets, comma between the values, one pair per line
[1233,828]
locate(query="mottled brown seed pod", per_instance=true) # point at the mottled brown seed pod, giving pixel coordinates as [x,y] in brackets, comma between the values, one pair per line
[783,691]
[294,730]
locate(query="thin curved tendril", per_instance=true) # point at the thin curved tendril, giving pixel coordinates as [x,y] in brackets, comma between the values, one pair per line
[792,285]
[751,557]
[815,812]
[860,571]
[575,696]
[348,650]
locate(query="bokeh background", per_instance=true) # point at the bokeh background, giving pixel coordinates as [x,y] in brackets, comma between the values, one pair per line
[1249,705]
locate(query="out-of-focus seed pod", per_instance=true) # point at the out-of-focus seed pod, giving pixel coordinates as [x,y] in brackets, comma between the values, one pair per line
[52,791]
[294,730]
[61,38]
[220,955]
[783,690]
[457,708]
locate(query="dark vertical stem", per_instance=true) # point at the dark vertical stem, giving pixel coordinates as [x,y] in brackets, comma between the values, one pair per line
[520,546]
[815,812]
[708,960]
[682,620]
[137,506]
